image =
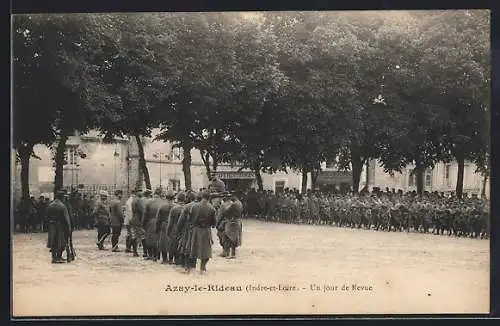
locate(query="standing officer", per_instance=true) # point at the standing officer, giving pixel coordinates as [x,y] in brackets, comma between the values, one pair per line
[102,214]
[116,212]
[201,242]
[59,224]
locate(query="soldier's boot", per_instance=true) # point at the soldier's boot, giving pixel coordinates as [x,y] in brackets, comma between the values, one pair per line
[134,247]
[225,252]
[203,266]
[128,244]
[144,249]
[232,253]
[164,257]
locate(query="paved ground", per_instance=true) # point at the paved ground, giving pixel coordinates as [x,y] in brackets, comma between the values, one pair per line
[393,273]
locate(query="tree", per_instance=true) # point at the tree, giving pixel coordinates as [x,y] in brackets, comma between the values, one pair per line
[59,77]
[32,111]
[135,76]
[458,65]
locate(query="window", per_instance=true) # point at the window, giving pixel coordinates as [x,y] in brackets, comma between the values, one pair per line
[428,179]
[71,156]
[330,164]
[411,180]
[175,185]
[279,186]
[447,172]
[176,154]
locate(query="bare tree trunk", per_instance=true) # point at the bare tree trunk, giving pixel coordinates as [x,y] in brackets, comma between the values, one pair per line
[142,164]
[314,177]
[357,168]
[24,158]
[205,157]
[304,180]
[186,165]
[419,176]
[483,189]
[460,176]
[59,163]
[258,176]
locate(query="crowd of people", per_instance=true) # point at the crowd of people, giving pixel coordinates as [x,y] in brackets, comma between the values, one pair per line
[171,228]
[379,210]
[175,228]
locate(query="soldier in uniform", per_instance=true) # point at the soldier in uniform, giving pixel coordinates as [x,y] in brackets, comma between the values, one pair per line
[230,226]
[219,221]
[59,224]
[162,226]
[117,218]
[172,231]
[102,213]
[201,242]
[149,223]
[137,231]
[126,221]
[185,230]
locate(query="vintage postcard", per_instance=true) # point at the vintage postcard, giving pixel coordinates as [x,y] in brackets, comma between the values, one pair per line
[249,163]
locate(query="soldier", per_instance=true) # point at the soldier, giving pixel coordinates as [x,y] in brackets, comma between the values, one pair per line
[149,223]
[162,224]
[137,231]
[185,230]
[126,221]
[41,207]
[102,213]
[201,242]
[59,227]
[172,232]
[117,218]
[230,223]
[220,224]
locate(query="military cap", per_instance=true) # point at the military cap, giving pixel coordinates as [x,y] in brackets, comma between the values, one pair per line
[169,194]
[158,191]
[181,196]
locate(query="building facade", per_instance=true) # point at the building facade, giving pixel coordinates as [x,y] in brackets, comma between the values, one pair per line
[442,178]
[97,165]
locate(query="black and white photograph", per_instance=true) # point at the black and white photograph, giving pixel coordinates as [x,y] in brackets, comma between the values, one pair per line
[250,163]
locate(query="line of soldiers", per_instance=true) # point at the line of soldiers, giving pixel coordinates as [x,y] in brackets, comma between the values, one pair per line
[30,214]
[172,229]
[468,217]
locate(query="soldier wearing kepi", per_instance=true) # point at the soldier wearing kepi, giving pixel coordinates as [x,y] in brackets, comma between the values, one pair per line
[102,213]
[59,227]
[174,229]
[116,212]
[185,229]
[137,231]
[232,226]
[150,225]
[162,226]
[201,242]
[126,221]
[220,222]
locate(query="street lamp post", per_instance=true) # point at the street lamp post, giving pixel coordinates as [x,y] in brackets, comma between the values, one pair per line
[159,155]
[115,154]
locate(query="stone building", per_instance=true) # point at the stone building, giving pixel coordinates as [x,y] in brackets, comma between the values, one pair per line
[442,178]
[98,165]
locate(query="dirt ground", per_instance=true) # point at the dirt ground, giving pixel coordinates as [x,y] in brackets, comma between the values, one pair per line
[334,271]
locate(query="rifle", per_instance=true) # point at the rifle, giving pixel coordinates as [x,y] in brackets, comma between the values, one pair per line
[70,250]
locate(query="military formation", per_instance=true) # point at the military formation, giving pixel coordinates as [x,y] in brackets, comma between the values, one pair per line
[174,229]
[381,211]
